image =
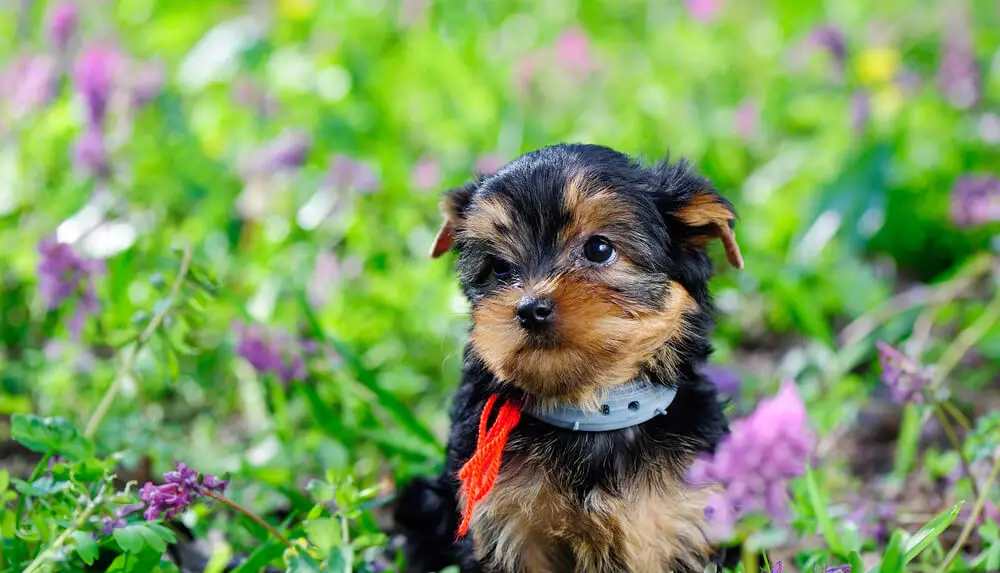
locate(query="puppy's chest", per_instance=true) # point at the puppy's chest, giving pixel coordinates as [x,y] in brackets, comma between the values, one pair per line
[531,523]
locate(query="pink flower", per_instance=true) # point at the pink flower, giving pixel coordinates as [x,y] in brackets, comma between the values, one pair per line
[746,119]
[703,10]
[959,76]
[61,23]
[975,200]
[524,73]
[905,378]
[754,463]
[426,173]
[147,82]
[345,173]
[90,154]
[572,51]
[29,83]
[94,76]
[489,164]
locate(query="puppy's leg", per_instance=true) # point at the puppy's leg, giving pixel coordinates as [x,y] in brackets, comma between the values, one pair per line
[427,508]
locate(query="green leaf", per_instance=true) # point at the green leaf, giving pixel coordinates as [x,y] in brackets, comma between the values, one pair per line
[136,537]
[220,558]
[165,533]
[928,533]
[320,490]
[85,546]
[340,561]
[908,441]
[818,501]
[857,563]
[262,556]
[324,534]
[302,563]
[42,486]
[131,563]
[892,558]
[51,436]
[4,480]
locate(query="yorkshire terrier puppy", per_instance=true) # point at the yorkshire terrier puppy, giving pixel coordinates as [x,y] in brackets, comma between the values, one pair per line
[581,404]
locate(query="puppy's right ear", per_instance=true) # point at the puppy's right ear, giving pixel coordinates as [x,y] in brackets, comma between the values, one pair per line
[453,205]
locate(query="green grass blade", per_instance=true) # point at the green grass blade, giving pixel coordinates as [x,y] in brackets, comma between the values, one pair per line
[928,533]
[818,501]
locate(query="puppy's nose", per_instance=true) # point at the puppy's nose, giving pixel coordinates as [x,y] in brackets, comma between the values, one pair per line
[534,312]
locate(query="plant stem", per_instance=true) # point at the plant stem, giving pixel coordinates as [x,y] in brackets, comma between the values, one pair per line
[98,499]
[965,340]
[949,430]
[34,475]
[749,559]
[253,517]
[957,414]
[129,363]
[949,290]
[971,523]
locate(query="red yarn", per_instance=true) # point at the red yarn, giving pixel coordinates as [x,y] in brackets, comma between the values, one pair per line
[480,473]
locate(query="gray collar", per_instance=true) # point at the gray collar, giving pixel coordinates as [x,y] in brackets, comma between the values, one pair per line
[623,406]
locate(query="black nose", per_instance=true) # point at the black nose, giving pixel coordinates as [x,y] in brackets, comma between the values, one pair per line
[534,312]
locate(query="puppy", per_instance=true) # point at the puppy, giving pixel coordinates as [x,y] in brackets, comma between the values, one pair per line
[587,274]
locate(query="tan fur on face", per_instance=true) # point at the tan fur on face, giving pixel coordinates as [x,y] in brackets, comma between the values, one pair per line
[592,212]
[600,340]
[489,220]
[655,524]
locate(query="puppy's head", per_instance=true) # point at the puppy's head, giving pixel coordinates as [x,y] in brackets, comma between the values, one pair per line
[584,267]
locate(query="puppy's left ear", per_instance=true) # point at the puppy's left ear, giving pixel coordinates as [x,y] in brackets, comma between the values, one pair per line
[694,211]
[453,205]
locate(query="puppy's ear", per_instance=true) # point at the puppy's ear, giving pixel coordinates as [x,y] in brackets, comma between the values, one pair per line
[694,211]
[453,205]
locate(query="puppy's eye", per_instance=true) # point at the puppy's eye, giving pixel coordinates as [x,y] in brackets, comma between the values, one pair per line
[499,267]
[598,249]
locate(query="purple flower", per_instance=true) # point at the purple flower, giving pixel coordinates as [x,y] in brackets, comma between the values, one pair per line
[905,378]
[345,173]
[29,83]
[61,23]
[271,353]
[286,152]
[725,379]
[873,520]
[110,523]
[572,51]
[90,154]
[831,40]
[703,10]
[975,200]
[63,274]
[94,76]
[426,174]
[838,569]
[754,463]
[181,489]
[777,567]
[959,76]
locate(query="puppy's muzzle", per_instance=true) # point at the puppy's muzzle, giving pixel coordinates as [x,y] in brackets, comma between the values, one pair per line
[535,313]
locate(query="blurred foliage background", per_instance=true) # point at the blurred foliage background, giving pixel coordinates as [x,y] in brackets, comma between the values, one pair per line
[298,149]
